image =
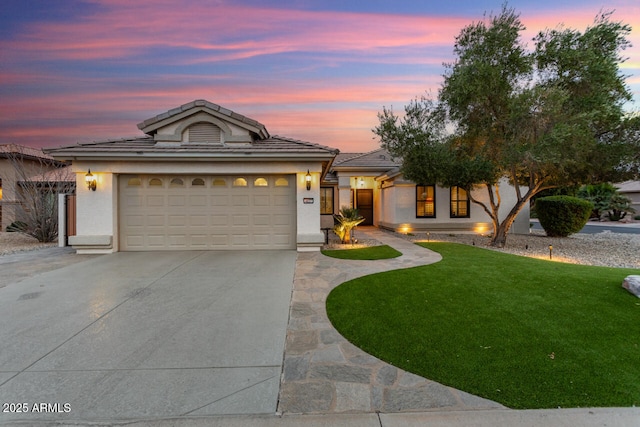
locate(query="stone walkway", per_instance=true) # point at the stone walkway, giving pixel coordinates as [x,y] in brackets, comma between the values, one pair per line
[324,373]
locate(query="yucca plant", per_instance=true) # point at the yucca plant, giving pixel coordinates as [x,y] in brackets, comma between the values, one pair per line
[345,221]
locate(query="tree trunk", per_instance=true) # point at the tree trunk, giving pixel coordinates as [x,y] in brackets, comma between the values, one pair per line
[499,238]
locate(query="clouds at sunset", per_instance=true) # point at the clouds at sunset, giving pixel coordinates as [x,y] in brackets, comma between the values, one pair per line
[102,66]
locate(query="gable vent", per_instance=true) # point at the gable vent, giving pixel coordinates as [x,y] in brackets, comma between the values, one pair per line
[204,132]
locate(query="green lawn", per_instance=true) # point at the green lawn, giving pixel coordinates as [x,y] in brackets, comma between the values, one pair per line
[371,253]
[524,332]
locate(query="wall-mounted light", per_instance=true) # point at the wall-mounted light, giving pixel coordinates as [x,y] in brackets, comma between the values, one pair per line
[307,178]
[90,180]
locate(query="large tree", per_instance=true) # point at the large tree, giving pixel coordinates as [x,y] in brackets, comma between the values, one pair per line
[544,118]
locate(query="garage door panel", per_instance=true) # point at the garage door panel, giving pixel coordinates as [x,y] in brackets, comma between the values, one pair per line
[200,200]
[240,220]
[281,200]
[219,200]
[177,201]
[210,216]
[220,241]
[155,220]
[177,241]
[263,220]
[217,220]
[134,201]
[135,220]
[282,220]
[240,201]
[154,240]
[262,200]
[177,220]
[155,201]
[197,220]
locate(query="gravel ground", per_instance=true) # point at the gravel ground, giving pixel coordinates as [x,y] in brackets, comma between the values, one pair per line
[16,242]
[604,249]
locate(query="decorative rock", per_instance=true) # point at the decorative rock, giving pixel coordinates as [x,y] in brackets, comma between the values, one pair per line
[632,284]
[305,397]
[344,373]
[295,368]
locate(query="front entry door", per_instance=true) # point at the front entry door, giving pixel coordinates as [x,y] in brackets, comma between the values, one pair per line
[364,203]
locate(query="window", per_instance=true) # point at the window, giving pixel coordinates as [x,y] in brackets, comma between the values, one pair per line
[134,182]
[155,182]
[239,182]
[425,201]
[326,200]
[197,182]
[176,182]
[282,182]
[459,203]
[219,182]
[260,182]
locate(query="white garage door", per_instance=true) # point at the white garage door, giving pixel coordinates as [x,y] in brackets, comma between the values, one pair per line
[207,212]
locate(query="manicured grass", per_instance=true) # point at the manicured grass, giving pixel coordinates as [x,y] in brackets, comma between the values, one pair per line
[523,332]
[371,253]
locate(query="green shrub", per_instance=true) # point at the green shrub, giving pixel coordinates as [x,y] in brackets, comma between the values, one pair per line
[561,216]
[17,226]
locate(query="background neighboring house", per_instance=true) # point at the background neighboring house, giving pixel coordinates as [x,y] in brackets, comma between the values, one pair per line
[372,182]
[631,189]
[20,164]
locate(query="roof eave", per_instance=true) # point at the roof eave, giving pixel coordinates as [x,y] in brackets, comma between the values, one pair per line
[192,156]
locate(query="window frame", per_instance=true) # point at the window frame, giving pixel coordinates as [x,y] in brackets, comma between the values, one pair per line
[458,201]
[418,200]
[323,210]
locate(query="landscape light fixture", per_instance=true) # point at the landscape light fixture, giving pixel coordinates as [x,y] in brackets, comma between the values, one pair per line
[90,180]
[550,251]
[308,180]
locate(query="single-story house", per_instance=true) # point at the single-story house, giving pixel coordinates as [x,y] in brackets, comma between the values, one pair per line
[205,177]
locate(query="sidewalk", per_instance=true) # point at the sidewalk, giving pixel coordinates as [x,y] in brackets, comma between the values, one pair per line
[610,417]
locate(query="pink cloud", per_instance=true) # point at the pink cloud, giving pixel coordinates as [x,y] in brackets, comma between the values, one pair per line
[124,29]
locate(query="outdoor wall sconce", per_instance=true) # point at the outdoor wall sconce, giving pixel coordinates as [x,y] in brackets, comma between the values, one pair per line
[90,180]
[307,178]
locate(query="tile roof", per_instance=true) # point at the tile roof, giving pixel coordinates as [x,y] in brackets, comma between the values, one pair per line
[22,150]
[377,159]
[147,145]
[204,104]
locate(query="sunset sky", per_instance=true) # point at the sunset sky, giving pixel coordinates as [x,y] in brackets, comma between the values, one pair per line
[77,71]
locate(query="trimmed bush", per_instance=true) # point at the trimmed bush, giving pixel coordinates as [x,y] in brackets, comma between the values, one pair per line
[561,216]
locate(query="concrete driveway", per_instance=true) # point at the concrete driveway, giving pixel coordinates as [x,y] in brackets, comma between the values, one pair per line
[144,335]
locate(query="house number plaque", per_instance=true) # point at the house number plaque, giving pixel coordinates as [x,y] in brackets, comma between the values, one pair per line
[308,200]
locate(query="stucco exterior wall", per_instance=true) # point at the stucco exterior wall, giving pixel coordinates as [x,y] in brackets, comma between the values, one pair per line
[399,210]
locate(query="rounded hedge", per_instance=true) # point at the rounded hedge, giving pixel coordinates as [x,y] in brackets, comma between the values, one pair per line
[561,216]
